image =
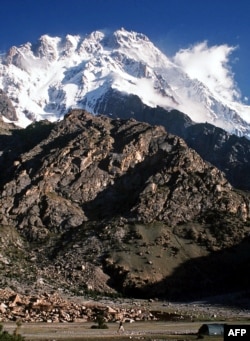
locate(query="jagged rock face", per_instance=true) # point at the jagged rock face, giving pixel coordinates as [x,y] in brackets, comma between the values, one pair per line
[91,183]
[93,167]
[229,153]
[6,107]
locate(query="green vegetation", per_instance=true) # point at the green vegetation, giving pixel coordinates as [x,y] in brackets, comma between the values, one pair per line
[100,319]
[5,336]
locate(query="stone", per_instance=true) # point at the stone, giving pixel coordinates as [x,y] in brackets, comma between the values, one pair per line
[3,308]
[85,195]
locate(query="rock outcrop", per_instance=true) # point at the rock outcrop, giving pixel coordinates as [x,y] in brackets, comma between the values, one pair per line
[104,204]
[6,107]
[53,308]
[227,152]
[91,168]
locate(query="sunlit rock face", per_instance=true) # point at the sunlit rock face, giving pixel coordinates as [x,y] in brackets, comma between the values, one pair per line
[124,200]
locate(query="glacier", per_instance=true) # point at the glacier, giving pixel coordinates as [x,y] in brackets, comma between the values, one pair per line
[47,78]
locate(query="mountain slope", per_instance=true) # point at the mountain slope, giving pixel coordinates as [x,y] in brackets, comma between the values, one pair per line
[94,203]
[7,110]
[45,79]
[228,152]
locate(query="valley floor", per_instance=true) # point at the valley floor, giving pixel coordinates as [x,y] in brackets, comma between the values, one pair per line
[181,329]
[82,331]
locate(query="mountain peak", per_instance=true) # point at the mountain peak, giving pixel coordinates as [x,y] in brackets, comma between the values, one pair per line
[47,47]
[58,73]
[125,35]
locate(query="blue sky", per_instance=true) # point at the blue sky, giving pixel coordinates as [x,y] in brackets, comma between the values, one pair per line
[170,24]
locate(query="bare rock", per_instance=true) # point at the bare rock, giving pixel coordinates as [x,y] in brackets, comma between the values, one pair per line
[101,193]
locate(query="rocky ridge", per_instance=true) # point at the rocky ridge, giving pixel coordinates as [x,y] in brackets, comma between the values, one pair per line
[139,170]
[112,205]
[227,152]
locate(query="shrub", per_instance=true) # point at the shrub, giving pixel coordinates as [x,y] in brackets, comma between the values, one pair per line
[100,322]
[5,336]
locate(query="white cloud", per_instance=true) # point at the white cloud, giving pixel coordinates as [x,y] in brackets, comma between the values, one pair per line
[210,65]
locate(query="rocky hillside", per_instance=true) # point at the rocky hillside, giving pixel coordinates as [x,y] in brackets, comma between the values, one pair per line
[228,152]
[117,206]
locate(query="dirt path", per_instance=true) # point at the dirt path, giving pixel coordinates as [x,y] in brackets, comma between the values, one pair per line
[83,331]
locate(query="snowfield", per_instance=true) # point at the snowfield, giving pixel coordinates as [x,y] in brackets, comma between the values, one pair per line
[45,79]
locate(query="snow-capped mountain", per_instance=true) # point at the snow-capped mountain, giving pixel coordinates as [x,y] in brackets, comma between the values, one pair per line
[45,79]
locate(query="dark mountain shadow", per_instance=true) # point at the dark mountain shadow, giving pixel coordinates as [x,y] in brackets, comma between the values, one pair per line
[117,105]
[220,278]
[229,153]
[118,198]
[18,142]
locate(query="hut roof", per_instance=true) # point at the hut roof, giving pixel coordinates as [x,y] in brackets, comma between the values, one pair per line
[211,329]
